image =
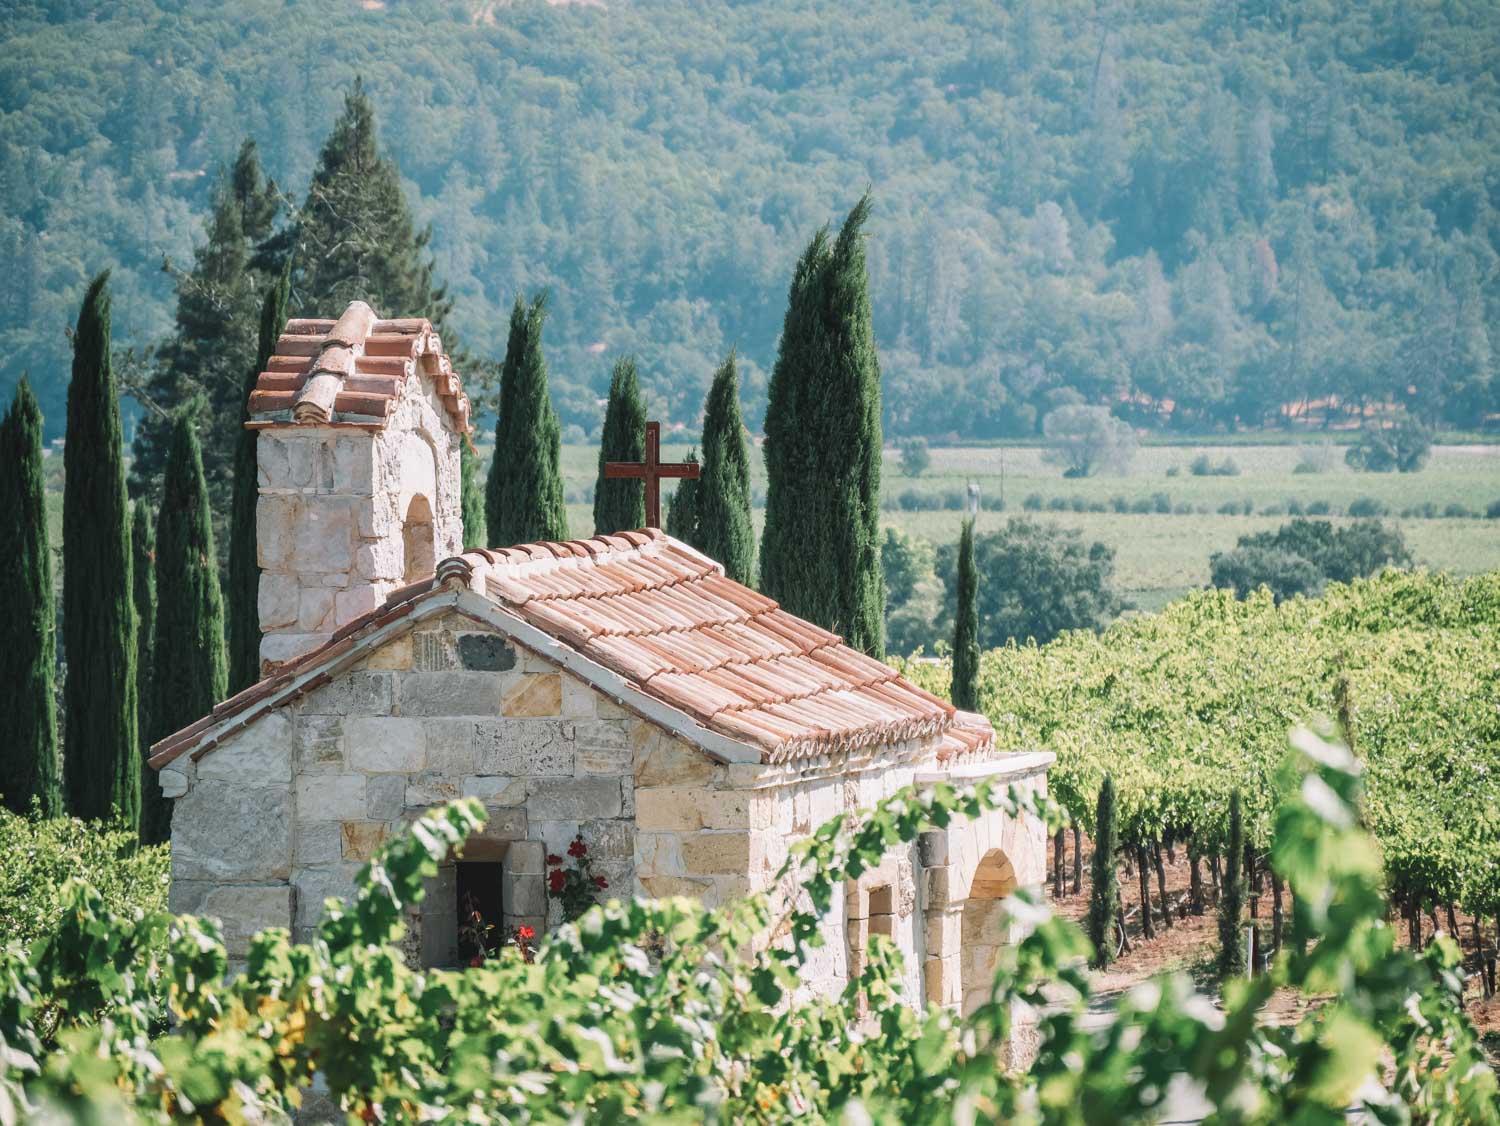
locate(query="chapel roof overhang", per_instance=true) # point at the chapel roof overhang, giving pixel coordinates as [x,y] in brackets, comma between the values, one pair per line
[655,624]
[350,371]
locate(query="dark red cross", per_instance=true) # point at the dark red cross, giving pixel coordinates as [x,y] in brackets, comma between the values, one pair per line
[652,470]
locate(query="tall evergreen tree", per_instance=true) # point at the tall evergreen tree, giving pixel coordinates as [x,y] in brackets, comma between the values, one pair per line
[725,531]
[192,672]
[213,339]
[471,494]
[682,512]
[620,503]
[966,625]
[244,566]
[101,769]
[524,494]
[1232,899]
[1104,877]
[30,762]
[143,554]
[354,237]
[820,551]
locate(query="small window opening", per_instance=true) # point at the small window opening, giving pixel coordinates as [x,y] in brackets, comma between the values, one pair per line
[419,540]
[481,910]
[882,912]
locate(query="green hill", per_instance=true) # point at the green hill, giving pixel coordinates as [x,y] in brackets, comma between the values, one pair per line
[1224,206]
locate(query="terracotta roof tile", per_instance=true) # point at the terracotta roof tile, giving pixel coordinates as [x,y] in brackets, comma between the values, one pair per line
[351,371]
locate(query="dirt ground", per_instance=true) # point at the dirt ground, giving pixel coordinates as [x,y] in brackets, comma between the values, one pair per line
[1190,945]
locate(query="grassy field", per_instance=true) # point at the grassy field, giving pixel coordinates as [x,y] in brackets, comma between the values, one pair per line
[1159,556]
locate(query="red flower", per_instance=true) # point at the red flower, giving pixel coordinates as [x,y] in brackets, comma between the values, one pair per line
[553,859]
[600,882]
[525,934]
[555,881]
[578,849]
[477,960]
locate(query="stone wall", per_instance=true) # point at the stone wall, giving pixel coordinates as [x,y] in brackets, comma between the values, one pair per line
[332,509]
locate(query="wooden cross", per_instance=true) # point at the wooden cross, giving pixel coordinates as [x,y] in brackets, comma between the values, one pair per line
[652,470]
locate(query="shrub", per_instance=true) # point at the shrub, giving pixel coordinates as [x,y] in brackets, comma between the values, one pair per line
[1273,510]
[1294,507]
[1141,505]
[1088,440]
[1119,504]
[1403,447]
[1493,511]
[994,503]
[915,457]
[1203,466]
[913,501]
[1057,504]
[1174,470]
[954,500]
[1033,502]
[1229,508]
[1160,502]
[1301,555]
[1368,506]
[1318,508]
[1098,506]
[1459,512]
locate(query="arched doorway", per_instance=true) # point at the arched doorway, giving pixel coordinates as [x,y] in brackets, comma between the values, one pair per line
[984,928]
[418,540]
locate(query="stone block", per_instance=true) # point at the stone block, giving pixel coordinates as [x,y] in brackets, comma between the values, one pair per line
[277,600]
[228,831]
[394,655]
[662,760]
[577,698]
[664,887]
[573,799]
[302,462]
[605,708]
[185,897]
[319,745]
[278,648]
[272,467]
[609,840]
[244,910]
[354,465]
[495,790]
[385,797]
[314,885]
[173,782]
[944,931]
[318,842]
[350,604]
[449,693]
[525,894]
[659,854]
[361,693]
[528,747]
[554,835]
[315,609]
[942,981]
[433,650]
[429,789]
[331,797]
[485,652]
[938,889]
[668,807]
[716,853]
[603,747]
[276,519]
[362,838]
[324,535]
[386,744]
[531,694]
[259,755]
[932,848]
[500,824]
[527,858]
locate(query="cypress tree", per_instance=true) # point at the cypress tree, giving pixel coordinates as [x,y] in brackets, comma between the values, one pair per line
[194,673]
[212,342]
[620,504]
[820,551]
[725,531]
[471,494]
[966,625]
[101,769]
[1104,878]
[30,763]
[682,512]
[524,494]
[244,566]
[143,553]
[1232,897]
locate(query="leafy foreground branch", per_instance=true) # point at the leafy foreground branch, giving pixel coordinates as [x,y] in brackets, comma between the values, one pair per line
[667,1011]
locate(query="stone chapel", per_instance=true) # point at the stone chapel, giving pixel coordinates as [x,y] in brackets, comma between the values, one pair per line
[620,688]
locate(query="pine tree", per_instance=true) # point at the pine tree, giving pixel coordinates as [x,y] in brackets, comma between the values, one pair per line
[683,510]
[354,237]
[101,767]
[30,762]
[143,554]
[725,531]
[192,674]
[471,492]
[966,625]
[244,566]
[524,494]
[212,342]
[820,551]
[1104,878]
[620,503]
[1232,898]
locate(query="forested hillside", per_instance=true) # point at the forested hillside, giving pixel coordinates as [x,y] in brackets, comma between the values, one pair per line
[1228,207]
